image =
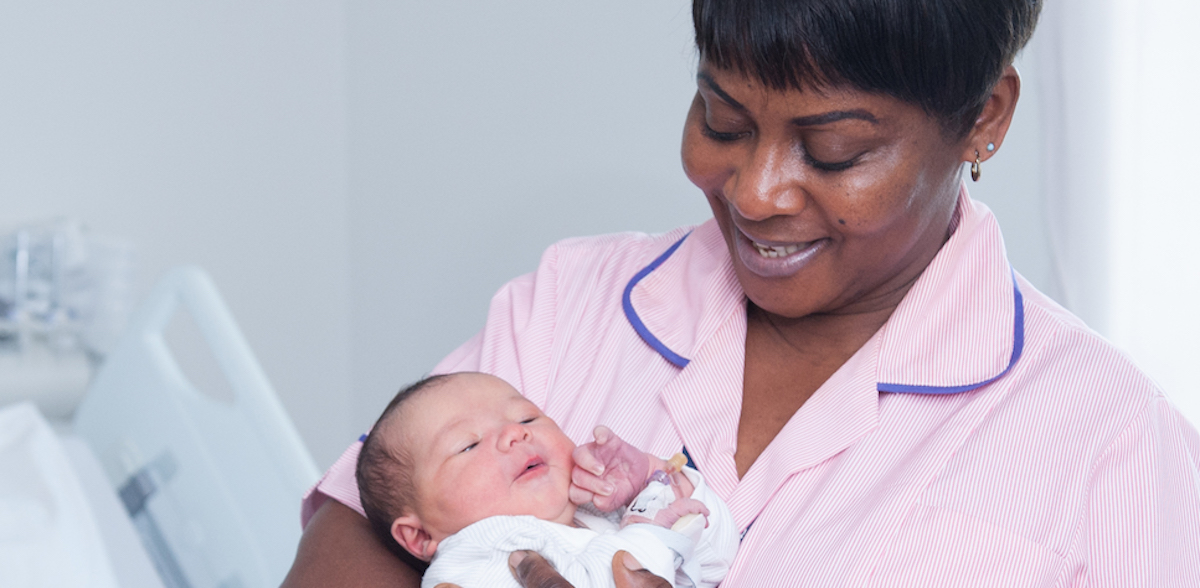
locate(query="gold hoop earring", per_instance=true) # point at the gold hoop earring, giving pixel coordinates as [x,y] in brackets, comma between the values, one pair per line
[975,168]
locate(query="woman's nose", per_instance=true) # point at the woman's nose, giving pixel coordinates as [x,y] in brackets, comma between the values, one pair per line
[513,434]
[769,183]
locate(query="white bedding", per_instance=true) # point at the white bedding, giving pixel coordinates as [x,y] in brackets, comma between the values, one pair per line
[60,522]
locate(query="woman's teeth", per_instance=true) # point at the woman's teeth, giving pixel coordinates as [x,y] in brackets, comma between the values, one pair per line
[781,251]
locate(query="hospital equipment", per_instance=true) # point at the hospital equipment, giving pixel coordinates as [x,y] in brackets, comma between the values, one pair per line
[211,485]
[64,299]
[62,287]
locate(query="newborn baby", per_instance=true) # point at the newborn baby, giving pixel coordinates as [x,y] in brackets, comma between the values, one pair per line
[462,470]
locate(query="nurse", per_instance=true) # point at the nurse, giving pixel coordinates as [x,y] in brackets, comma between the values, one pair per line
[843,350]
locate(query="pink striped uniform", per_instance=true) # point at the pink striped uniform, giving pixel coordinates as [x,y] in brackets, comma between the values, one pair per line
[982,437]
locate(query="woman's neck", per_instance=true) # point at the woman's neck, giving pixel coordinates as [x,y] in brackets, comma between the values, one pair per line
[821,334]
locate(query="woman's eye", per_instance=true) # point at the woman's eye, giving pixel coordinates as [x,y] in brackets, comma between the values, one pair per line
[829,166]
[716,135]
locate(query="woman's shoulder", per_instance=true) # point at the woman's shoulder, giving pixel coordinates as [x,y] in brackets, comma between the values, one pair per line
[1068,362]
[580,265]
[625,247]
[1073,405]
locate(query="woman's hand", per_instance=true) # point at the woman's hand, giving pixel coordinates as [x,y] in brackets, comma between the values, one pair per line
[533,571]
[608,472]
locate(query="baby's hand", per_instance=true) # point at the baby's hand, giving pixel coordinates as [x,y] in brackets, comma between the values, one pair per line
[667,516]
[608,472]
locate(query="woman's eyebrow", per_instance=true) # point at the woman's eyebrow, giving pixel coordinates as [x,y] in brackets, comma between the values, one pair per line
[811,120]
[716,88]
[825,118]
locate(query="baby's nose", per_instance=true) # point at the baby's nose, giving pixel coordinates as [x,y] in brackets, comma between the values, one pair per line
[513,434]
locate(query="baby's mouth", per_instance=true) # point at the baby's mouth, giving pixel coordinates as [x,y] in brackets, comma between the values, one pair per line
[534,464]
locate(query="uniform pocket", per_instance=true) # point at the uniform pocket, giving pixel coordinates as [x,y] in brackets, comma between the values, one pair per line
[946,548]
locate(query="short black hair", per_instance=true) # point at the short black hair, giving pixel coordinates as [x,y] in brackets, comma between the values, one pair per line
[384,471]
[941,55]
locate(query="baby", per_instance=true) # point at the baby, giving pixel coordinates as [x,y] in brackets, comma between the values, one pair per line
[462,470]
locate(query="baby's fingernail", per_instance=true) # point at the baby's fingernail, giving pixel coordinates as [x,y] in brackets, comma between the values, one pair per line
[608,489]
[599,470]
[630,563]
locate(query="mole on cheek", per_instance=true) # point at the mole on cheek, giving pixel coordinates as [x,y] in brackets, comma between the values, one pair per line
[841,221]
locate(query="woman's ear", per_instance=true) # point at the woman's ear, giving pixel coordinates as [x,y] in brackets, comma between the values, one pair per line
[992,124]
[408,531]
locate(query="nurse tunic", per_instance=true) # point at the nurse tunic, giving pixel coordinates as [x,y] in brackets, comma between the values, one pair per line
[982,437]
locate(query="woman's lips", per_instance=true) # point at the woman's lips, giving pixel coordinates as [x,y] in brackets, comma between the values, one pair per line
[776,260]
[773,251]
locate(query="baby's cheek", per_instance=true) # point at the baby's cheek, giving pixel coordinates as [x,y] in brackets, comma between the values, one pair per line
[477,499]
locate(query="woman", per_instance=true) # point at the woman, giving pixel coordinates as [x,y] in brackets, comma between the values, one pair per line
[844,350]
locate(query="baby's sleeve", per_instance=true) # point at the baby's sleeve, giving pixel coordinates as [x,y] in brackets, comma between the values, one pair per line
[718,543]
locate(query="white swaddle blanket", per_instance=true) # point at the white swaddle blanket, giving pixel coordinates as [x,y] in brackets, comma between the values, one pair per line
[477,556]
[48,535]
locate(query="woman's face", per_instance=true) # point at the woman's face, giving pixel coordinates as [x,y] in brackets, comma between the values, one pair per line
[830,200]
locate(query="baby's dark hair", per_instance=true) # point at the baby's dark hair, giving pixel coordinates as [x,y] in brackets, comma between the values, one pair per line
[384,470]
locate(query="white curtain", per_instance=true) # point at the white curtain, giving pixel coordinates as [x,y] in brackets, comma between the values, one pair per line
[1121,98]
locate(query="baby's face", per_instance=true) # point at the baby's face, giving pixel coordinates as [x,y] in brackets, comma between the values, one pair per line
[481,449]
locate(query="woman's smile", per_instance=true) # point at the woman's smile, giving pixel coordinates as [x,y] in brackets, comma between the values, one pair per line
[770,259]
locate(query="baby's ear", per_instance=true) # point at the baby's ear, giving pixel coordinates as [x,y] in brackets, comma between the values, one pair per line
[408,531]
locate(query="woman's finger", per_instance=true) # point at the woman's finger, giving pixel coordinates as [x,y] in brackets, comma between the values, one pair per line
[533,571]
[629,573]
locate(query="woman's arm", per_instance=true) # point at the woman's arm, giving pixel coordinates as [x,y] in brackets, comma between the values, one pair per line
[338,549]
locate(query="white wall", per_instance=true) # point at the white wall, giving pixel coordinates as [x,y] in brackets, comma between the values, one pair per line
[209,133]
[481,132]
[1155,199]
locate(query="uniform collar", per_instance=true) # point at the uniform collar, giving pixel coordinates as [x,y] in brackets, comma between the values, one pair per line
[960,327]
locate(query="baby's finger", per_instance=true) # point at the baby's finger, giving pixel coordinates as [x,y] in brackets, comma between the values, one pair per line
[606,503]
[587,460]
[578,496]
[587,481]
[693,506]
[602,434]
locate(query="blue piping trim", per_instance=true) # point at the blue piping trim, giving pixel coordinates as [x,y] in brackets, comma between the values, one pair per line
[690,463]
[636,321]
[362,437]
[1018,347]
